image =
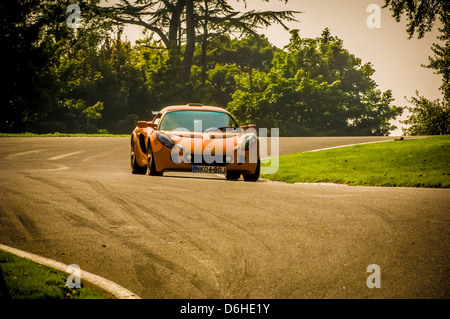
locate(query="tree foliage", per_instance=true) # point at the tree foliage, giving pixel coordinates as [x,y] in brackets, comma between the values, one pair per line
[315,87]
[428,117]
[421,16]
[89,79]
[36,45]
[178,22]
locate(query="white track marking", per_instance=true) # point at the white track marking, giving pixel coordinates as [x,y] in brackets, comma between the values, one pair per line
[57,168]
[340,146]
[107,285]
[92,157]
[89,158]
[12,156]
[54,158]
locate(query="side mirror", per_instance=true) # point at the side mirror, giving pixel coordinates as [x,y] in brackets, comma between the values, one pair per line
[153,125]
[143,124]
[249,126]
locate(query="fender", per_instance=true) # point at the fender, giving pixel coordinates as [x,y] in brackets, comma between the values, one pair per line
[142,144]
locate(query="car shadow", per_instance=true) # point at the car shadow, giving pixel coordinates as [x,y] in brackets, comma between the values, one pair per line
[210,177]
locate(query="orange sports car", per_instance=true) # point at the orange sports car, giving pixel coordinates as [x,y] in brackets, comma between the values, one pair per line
[195,138]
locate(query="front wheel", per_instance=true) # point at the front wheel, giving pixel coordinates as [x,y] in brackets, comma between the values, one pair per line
[151,164]
[252,177]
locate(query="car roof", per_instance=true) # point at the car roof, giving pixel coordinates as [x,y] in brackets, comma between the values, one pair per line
[193,107]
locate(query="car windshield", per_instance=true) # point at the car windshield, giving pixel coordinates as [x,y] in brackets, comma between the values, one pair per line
[197,121]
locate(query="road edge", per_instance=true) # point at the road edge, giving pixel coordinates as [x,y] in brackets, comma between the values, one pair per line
[111,287]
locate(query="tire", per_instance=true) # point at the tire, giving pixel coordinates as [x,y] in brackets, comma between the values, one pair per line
[135,168]
[252,177]
[151,164]
[232,176]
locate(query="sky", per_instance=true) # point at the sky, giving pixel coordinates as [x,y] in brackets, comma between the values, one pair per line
[396,59]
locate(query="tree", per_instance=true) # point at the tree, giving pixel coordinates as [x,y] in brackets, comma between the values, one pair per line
[219,18]
[165,18]
[249,53]
[315,87]
[223,84]
[227,58]
[421,16]
[32,33]
[428,117]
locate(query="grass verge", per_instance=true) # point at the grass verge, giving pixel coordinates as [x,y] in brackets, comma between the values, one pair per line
[24,279]
[57,134]
[410,163]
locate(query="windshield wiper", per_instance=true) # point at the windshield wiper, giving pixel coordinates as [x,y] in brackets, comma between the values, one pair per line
[222,128]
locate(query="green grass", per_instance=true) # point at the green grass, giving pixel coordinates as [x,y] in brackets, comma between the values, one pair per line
[57,134]
[25,279]
[411,163]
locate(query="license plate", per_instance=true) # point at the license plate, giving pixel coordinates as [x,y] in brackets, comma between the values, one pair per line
[208,169]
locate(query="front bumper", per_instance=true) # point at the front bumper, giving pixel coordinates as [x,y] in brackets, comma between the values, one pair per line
[182,160]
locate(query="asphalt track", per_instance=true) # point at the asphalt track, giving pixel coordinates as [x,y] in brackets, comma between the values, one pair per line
[74,200]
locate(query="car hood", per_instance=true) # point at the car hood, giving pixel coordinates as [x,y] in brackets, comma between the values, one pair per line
[200,141]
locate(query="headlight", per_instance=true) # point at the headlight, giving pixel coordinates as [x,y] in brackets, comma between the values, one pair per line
[249,141]
[165,140]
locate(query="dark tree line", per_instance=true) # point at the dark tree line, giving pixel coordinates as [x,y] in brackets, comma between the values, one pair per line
[91,80]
